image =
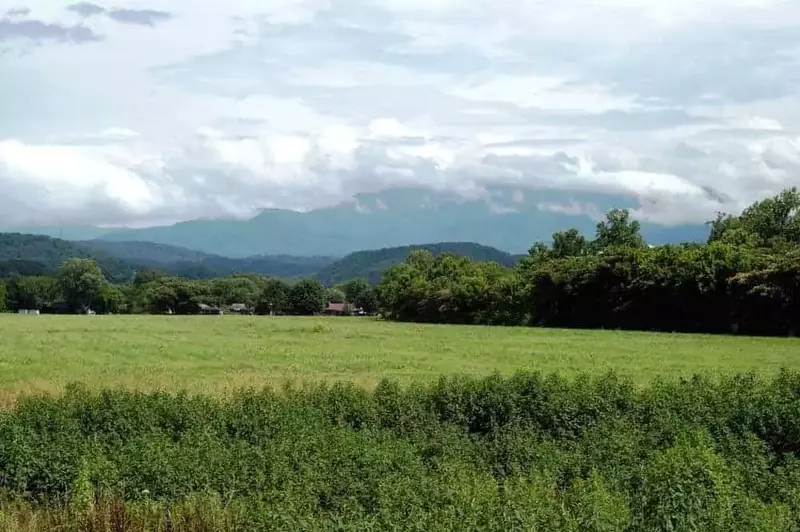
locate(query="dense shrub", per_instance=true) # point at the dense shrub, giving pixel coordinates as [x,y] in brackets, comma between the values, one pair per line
[530,451]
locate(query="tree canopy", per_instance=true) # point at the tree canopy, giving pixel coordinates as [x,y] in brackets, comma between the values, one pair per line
[81,282]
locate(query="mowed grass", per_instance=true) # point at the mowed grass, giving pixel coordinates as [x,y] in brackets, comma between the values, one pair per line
[217,354]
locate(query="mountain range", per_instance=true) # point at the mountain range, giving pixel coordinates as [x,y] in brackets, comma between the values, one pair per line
[42,255]
[509,220]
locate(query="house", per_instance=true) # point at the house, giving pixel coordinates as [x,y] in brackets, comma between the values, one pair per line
[209,310]
[336,308]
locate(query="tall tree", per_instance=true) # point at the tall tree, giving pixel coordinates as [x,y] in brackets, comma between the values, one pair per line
[361,294]
[111,300]
[569,243]
[307,297]
[3,296]
[230,290]
[538,254]
[334,295]
[162,298]
[618,229]
[775,220]
[274,297]
[770,222]
[81,282]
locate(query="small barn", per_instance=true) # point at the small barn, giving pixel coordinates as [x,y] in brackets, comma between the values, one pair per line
[337,309]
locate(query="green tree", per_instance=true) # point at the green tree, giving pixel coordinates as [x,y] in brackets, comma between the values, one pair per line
[774,221]
[163,298]
[143,277]
[334,295]
[3,296]
[274,297]
[569,243]
[230,290]
[618,229]
[361,294]
[32,292]
[730,230]
[307,297]
[81,282]
[111,300]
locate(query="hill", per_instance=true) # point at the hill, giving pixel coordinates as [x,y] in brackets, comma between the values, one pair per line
[41,255]
[146,252]
[370,264]
[37,254]
[184,262]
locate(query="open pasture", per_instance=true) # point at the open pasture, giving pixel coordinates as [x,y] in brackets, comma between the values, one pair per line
[216,354]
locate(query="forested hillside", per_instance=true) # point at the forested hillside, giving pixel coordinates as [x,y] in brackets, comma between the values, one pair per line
[193,264]
[146,252]
[37,255]
[42,255]
[371,264]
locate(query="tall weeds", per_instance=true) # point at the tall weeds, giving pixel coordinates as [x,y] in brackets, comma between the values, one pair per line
[528,452]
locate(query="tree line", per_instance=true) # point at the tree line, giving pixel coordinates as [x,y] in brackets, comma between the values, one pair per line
[79,285]
[745,279]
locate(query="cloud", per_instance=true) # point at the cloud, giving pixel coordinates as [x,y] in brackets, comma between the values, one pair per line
[38,31]
[86,9]
[142,17]
[18,12]
[679,109]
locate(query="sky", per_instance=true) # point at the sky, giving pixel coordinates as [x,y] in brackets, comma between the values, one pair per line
[139,112]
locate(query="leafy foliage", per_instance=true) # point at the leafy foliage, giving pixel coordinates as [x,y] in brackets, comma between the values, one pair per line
[361,294]
[307,297]
[527,452]
[618,230]
[274,297]
[81,282]
[772,222]
[32,293]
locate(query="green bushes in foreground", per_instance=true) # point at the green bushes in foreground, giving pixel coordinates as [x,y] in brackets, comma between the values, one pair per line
[528,452]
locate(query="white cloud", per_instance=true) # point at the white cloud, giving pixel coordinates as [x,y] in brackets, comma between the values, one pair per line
[225,108]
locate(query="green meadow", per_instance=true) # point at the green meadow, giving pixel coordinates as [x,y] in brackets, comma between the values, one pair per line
[213,354]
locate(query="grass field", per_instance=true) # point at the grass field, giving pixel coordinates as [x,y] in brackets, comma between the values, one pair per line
[213,354]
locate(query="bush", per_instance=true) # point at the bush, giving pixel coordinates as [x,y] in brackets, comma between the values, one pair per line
[530,451]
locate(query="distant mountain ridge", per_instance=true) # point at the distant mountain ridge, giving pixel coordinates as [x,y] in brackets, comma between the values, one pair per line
[509,220]
[197,264]
[41,255]
[38,255]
